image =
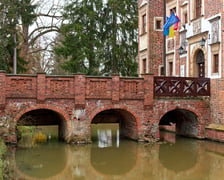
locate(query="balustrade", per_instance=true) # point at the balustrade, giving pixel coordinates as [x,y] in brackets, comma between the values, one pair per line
[181,86]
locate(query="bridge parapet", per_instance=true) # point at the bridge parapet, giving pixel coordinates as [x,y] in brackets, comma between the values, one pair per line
[115,88]
[78,87]
[20,86]
[98,87]
[2,87]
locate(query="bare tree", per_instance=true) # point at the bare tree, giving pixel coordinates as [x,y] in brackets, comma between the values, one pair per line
[37,40]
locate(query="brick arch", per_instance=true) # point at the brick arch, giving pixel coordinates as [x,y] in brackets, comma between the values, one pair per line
[43,106]
[115,107]
[192,62]
[186,128]
[191,109]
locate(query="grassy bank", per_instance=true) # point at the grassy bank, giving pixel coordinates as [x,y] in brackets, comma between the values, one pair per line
[2,152]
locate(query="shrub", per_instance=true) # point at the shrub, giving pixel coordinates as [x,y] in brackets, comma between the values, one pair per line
[40,137]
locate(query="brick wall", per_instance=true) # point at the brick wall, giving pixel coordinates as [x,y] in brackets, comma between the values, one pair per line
[155,41]
[196,107]
[217,101]
[213,7]
[77,100]
[153,52]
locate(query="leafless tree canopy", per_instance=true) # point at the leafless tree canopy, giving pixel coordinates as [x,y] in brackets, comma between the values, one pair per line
[40,37]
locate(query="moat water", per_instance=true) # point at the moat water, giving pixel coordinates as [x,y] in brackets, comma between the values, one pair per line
[109,157]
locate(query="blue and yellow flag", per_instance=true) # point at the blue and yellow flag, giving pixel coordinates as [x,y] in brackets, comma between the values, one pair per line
[171,32]
[173,19]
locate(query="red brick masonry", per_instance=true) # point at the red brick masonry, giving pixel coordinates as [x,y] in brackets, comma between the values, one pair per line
[77,99]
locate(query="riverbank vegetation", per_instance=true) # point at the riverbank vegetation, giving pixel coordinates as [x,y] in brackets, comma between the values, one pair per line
[2,152]
[28,136]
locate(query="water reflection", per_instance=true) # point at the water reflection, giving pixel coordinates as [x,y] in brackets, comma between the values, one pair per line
[113,160]
[50,159]
[179,158]
[105,138]
[106,135]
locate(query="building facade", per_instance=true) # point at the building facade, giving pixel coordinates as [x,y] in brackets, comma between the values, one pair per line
[196,48]
[150,25]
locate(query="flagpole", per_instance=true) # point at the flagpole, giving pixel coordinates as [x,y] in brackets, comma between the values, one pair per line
[164,39]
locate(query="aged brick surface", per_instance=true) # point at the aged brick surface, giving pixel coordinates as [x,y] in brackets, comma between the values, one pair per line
[215,135]
[154,49]
[41,87]
[78,99]
[2,87]
[217,101]
[197,106]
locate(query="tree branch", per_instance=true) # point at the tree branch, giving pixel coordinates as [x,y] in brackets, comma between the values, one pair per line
[41,34]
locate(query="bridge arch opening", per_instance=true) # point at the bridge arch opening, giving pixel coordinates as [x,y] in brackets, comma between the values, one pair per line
[125,120]
[54,122]
[181,121]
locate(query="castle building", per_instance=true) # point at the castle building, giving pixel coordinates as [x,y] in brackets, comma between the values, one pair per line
[196,48]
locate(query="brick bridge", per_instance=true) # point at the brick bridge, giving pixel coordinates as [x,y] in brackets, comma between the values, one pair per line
[73,102]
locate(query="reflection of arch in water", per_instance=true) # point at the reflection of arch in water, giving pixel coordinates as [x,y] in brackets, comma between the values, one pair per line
[54,159]
[189,170]
[187,122]
[112,161]
[127,119]
[44,115]
[178,157]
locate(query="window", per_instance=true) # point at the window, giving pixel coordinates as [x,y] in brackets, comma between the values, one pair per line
[198,8]
[185,18]
[183,41]
[215,63]
[158,24]
[162,71]
[144,66]
[144,23]
[170,68]
[173,10]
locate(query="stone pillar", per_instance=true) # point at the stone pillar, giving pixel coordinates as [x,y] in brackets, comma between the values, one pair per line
[41,86]
[148,90]
[3,89]
[115,88]
[80,91]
